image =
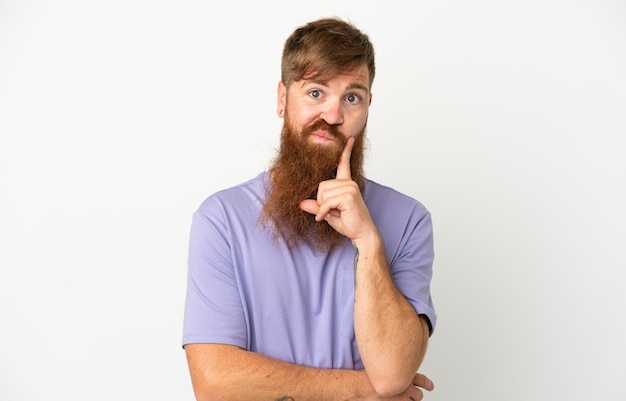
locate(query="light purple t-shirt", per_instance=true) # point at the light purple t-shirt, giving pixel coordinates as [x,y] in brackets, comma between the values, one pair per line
[246,289]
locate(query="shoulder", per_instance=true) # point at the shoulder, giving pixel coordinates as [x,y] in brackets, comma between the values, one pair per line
[227,214]
[384,199]
[247,193]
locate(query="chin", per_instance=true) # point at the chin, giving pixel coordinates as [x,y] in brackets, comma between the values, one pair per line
[317,142]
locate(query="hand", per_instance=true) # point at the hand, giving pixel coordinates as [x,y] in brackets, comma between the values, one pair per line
[413,392]
[340,203]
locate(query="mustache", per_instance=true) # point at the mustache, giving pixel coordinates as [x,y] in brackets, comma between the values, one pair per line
[321,125]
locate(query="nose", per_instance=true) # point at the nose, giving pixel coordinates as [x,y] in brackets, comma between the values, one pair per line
[333,112]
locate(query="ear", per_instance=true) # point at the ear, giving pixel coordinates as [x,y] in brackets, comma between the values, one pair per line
[281,93]
[370,103]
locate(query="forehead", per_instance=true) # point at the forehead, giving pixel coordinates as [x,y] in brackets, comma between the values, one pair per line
[357,78]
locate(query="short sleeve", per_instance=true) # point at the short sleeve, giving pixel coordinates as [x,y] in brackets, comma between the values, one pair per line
[412,263]
[213,309]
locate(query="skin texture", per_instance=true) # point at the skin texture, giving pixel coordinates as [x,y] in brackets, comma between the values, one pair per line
[391,337]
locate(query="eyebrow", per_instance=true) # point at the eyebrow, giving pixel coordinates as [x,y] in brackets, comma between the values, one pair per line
[354,85]
[358,86]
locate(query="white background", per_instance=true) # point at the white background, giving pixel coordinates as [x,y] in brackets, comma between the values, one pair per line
[506,119]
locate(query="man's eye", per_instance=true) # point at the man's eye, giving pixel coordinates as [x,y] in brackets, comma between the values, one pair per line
[315,94]
[352,98]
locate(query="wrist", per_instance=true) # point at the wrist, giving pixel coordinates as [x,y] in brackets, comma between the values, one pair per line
[371,242]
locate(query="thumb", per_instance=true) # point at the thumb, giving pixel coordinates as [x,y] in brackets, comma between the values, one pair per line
[310,206]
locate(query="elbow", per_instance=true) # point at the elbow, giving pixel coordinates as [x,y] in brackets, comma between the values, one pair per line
[213,389]
[209,388]
[202,397]
[206,394]
[202,394]
[389,386]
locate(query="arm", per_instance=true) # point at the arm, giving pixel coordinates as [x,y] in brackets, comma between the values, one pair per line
[391,336]
[226,372]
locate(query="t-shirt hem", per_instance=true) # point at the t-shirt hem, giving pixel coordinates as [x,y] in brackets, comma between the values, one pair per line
[199,339]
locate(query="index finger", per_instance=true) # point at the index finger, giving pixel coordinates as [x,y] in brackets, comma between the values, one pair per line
[343,169]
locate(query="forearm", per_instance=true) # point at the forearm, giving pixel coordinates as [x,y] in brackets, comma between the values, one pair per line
[391,337]
[223,372]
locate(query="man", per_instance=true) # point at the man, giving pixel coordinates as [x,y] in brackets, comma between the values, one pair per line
[310,282]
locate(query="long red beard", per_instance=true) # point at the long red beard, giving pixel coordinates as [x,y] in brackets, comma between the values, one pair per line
[296,173]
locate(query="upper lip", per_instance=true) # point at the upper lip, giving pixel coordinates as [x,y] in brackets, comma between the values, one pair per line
[323,134]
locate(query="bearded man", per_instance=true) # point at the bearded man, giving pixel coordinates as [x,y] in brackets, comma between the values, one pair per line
[311,282]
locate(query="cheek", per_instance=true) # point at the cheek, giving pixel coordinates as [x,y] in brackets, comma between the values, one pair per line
[356,125]
[301,118]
